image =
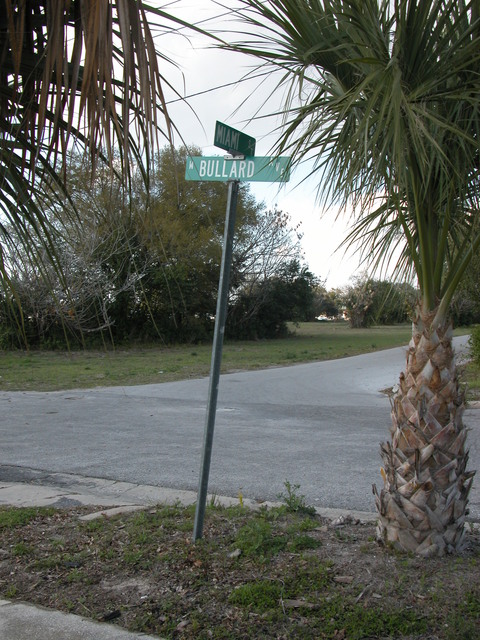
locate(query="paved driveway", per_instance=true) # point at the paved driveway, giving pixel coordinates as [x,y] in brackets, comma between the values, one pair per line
[318,425]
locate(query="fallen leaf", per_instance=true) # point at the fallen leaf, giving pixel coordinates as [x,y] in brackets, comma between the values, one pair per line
[297,604]
[182,625]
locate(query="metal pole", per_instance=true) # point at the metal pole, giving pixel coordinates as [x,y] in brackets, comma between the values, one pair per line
[219,331]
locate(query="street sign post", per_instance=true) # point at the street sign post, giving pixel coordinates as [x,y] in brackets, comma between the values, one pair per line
[232,170]
[219,169]
[216,361]
[233,141]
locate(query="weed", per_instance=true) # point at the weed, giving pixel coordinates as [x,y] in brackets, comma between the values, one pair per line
[48,562]
[305,524]
[256,539]
[22,549]
[259,596]
[471,605]
[132,556]
[213,502]
[344,537]
[302,543]
[76,575]
[11,591]
[359,622]
[294,501]
[313,578]
[99,524]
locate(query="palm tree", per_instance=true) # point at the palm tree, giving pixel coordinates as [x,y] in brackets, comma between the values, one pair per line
[384,95]
[73,73]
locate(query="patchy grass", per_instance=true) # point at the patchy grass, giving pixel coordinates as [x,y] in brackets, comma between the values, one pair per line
[470,376]
[13,518]
[255,574]
[55,370]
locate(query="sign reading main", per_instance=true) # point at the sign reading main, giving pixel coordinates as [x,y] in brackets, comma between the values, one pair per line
[258,169]
[233,141]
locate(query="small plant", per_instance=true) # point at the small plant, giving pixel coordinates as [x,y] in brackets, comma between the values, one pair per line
[213,503]
[259,596]
[302,543]
[22,549]
[11,591]
[256,538]
[294,501]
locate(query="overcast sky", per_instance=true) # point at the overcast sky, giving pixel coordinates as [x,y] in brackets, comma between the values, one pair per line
[211,83]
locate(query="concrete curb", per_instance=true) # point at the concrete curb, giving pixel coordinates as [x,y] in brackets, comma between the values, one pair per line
[63,490]
[19,621]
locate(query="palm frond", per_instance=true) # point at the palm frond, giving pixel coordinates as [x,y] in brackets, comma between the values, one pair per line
[66,62]
[385,97]
[83,73]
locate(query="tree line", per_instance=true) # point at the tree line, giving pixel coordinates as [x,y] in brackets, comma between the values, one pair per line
[142,267]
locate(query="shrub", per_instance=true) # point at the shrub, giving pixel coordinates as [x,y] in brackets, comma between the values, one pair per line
[475,344]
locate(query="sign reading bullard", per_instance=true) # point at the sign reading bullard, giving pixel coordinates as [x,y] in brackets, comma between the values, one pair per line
[257,169]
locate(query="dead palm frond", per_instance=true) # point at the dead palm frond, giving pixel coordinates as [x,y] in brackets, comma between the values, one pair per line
[75,73]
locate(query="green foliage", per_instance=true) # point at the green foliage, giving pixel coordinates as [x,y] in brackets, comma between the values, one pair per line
[465,622]
[22,549]
[333,613]
[257,539]
[258,596]
[42,116]
[474,341]
[465,306]
[264,310]
[363,623]
[294,501]
[326,303]
[145,267]
[302,542]
[11,591]
[368,301]
[394,133]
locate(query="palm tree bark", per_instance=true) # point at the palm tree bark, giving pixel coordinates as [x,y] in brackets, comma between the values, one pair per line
[423,504]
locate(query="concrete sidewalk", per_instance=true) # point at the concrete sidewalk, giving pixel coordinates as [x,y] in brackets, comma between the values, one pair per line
[19,621]
[34,488]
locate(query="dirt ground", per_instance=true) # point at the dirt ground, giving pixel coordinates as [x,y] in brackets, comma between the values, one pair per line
[264,575]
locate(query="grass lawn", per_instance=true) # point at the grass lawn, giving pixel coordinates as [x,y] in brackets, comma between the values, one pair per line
[52,370]
[309,342]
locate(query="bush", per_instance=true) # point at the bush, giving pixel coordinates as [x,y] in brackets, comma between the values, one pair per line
[475,344]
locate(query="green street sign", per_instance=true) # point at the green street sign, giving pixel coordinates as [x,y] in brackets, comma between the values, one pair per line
[233,141]
[258,169]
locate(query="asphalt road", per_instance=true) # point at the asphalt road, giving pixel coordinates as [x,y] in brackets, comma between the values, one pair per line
[317,425]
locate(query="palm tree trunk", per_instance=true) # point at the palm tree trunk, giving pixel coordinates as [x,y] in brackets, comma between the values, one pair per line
[422,506]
